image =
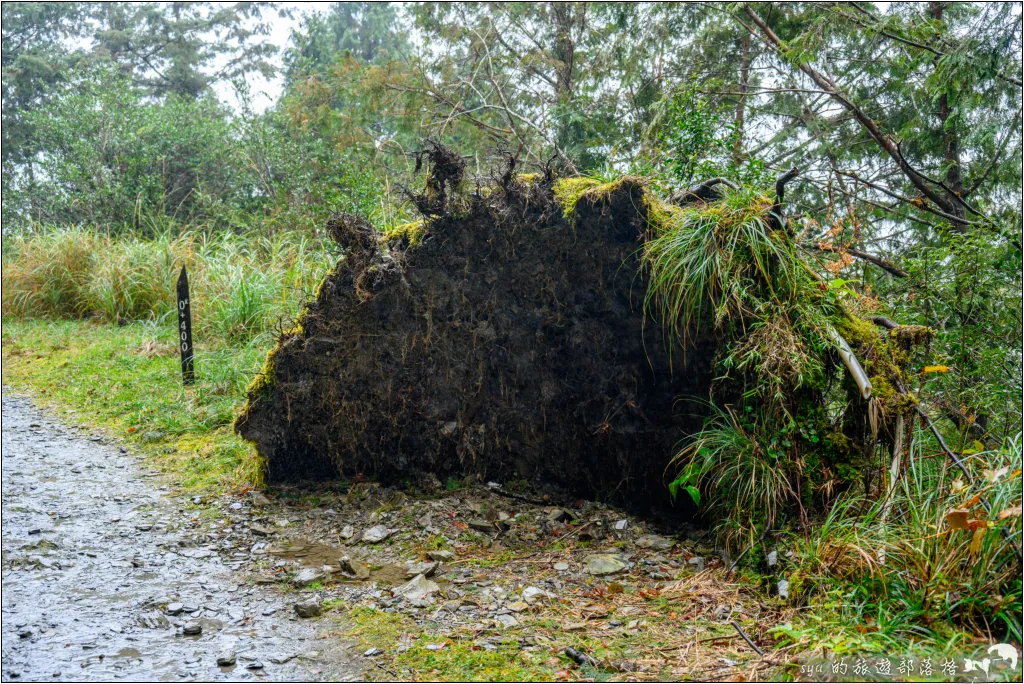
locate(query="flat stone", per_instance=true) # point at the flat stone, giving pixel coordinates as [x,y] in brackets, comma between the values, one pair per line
[254,665]
[259,501]
[518,606]
[606,564]
[307,576]
[377,534]
[656,542]
[621,524]
[261,530]
[561,566]
[506,621]
[175,608]
[560,515]
[347,532]
[417,590]
[697,562]
[308,609]
[226,658]
[353,566]
[192,629]
[482,526]
[440,555]
[427,569]
[533,593]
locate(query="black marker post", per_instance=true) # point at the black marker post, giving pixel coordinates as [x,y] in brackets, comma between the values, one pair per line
[188,374]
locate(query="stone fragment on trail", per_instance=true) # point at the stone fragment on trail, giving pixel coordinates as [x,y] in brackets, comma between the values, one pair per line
[192,629]
[606,564]
[503,337]
[376,534]
[418,590]
[427,569]
[226,658]
[559,515]
[258,499]
[655,542]
[308,609]
[307,576]
[440,555]
[354,567]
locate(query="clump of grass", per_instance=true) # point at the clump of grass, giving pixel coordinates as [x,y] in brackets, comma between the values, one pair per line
[903,564]
[241,284]
[748,476]
[721,263]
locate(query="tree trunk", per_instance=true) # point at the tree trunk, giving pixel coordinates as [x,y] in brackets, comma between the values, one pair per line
[950,145]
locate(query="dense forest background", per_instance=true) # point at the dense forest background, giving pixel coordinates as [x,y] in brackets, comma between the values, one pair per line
[904,120]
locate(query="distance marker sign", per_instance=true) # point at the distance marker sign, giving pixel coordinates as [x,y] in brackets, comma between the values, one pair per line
[188,374]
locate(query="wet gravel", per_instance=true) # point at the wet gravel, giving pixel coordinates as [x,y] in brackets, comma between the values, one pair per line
[105,576]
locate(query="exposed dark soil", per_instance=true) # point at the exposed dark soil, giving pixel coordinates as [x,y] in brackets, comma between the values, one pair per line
[508,344]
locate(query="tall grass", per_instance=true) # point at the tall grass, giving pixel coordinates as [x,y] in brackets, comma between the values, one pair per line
[241,285]
[903,565]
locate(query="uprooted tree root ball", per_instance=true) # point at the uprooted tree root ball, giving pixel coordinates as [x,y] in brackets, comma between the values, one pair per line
[496,339]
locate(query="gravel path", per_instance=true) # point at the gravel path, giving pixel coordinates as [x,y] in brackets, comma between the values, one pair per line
[102,575]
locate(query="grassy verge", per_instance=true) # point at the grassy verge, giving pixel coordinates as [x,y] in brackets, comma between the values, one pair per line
[127,379]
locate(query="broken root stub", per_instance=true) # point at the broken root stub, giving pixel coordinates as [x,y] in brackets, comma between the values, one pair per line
[506,344]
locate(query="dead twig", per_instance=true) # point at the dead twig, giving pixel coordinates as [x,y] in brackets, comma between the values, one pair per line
[750,642]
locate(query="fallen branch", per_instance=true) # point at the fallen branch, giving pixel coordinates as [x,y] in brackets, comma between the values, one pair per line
[852,365]
[886,266]
[750,642]
[702,193]
[581,658]
[883,322]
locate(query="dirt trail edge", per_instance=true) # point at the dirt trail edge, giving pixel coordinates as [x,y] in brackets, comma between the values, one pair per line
[103,569]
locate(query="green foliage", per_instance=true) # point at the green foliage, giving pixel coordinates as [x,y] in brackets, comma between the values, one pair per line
[696,140]
[241,285]
[899,562]
[366,31]
[720,265]
[114,158]
[742,463]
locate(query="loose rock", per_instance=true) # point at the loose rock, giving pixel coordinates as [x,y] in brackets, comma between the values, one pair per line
[417,590]
[307,576]
[606,564]
[655,542]
[308,609]
[354,567]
